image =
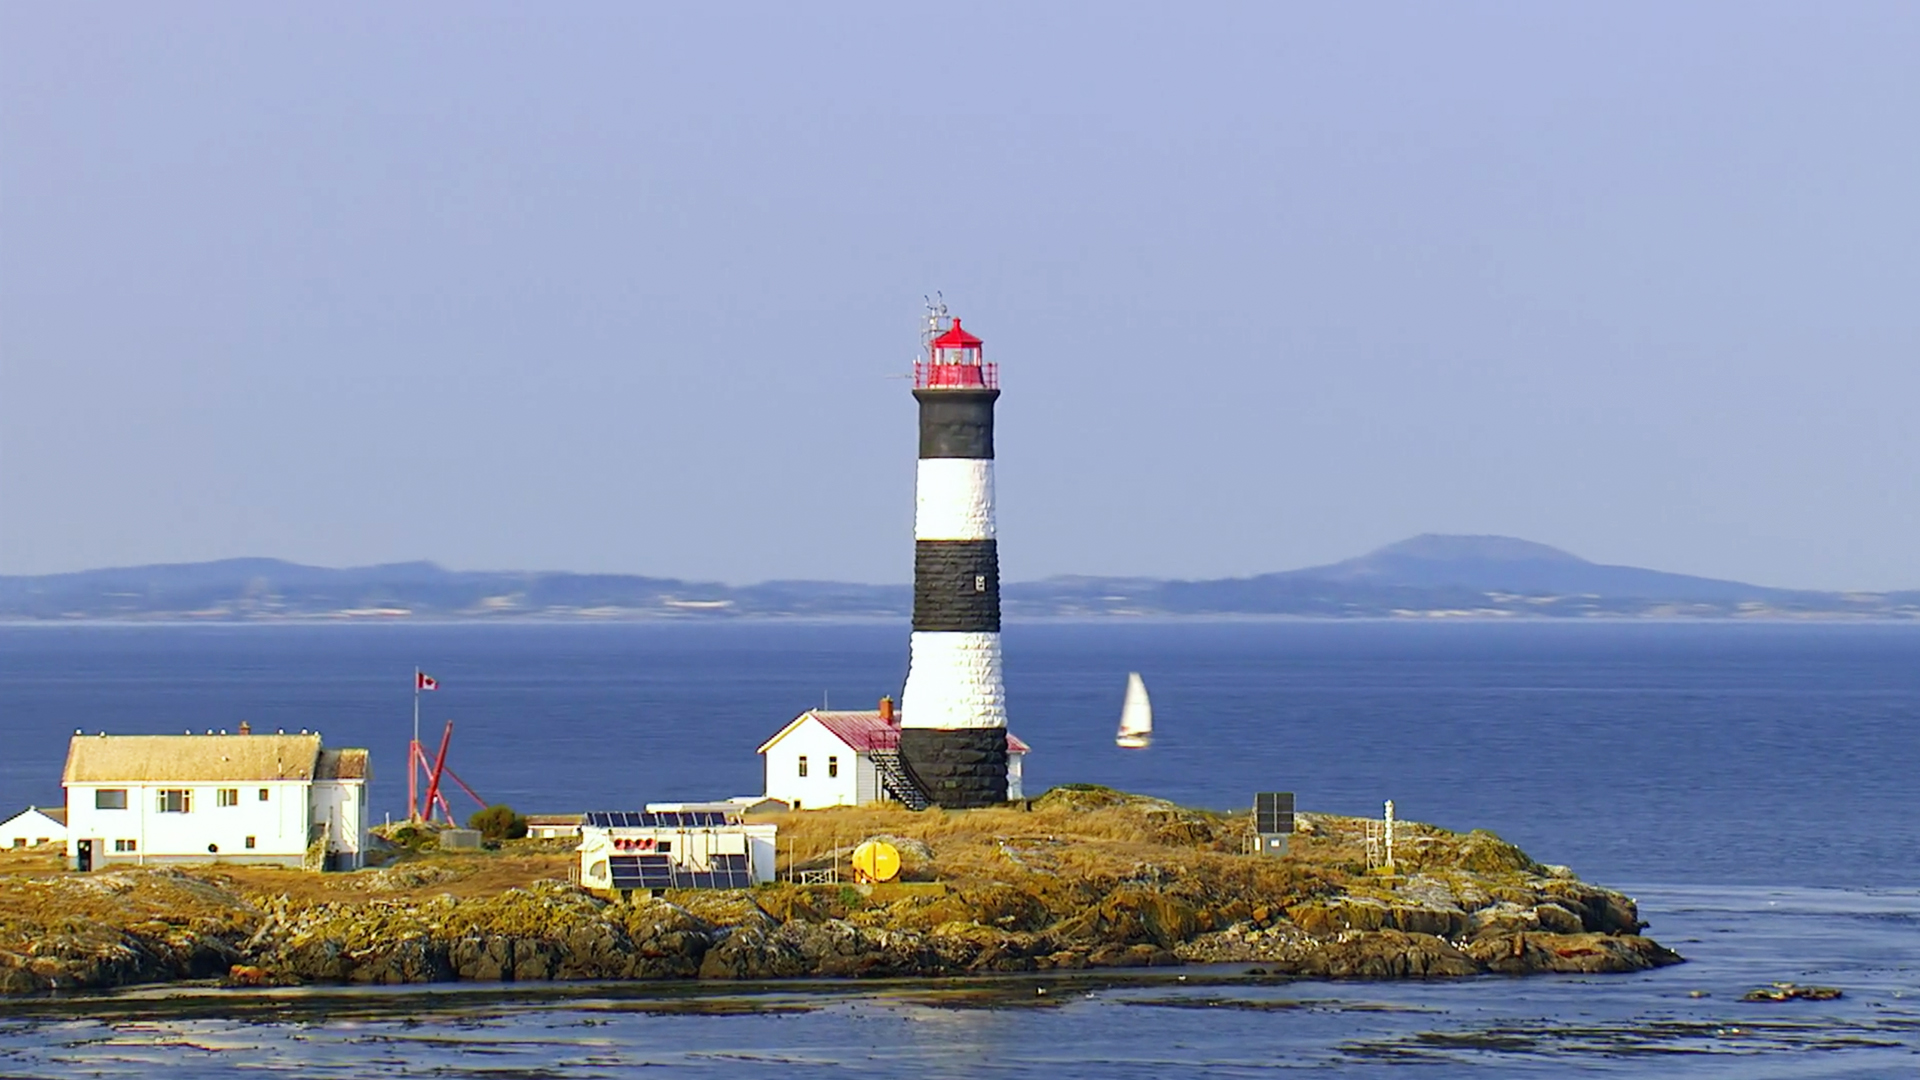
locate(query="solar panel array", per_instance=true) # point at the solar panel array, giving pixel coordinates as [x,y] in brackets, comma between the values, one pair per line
[659,872]
[677,819]
[1273,812]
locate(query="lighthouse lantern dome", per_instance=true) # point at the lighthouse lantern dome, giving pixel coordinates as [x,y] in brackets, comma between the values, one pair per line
[955,361]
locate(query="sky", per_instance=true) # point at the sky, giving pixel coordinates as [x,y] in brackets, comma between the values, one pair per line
[630,288]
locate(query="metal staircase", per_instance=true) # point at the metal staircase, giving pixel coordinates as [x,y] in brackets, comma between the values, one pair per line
[897,782]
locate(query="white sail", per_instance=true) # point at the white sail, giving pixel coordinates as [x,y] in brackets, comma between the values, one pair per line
[1136,716]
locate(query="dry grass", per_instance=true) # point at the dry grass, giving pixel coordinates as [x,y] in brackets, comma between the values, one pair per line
[1065,850]
[977,843]
[1086,835]
[461,874]
[37,892]
[46,859]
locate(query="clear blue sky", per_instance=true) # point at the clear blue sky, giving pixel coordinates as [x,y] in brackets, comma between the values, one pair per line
[619,286]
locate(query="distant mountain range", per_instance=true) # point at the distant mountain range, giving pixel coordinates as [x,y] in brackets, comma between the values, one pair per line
[1429,576]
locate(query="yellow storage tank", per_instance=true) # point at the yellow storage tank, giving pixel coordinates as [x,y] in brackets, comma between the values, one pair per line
[876,860]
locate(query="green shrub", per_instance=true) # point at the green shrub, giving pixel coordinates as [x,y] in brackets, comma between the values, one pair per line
[498,822]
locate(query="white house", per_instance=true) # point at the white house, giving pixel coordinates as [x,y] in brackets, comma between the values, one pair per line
[622,851]
[828,758]
[33,826]
[281,799]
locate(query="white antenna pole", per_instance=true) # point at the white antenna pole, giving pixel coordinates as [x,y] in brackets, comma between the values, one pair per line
[1389,836]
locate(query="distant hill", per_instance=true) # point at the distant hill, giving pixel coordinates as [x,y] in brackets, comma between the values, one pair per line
[1427,576]
[257,589]
[1503,564]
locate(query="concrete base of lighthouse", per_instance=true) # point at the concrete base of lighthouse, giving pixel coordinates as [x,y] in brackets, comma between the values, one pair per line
[959,769]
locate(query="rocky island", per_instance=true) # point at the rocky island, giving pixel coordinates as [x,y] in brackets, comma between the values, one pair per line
[1082,877]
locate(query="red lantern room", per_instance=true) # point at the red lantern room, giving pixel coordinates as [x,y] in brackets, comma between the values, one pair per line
[954,363]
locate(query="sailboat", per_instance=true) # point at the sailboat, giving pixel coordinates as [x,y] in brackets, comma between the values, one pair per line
[1136,716]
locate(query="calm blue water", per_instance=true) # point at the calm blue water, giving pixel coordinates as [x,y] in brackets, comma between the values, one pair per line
[1755,785]
[1759,754]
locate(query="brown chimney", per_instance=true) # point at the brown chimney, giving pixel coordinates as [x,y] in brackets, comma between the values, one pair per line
[246,728]
[886,710]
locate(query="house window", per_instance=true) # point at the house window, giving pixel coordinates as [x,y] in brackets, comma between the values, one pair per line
[21,841]
[228,796]
[803,764]
[175,801]
[110,799]
[249,843]
[833,766]
[124,845]
[263,794]
[40,840]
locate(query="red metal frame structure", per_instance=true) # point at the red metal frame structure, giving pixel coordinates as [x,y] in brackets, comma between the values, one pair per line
[955,362]
[433,770]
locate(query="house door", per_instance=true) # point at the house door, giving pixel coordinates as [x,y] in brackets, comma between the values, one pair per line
[83,856]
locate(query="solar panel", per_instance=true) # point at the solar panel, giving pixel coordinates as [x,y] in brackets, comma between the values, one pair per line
[732,872]
[614,819]
[663,819]
[1273,812]
[641,872]
[659,872]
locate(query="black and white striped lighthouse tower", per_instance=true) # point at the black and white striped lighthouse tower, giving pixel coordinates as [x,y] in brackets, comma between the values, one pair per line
[953,712]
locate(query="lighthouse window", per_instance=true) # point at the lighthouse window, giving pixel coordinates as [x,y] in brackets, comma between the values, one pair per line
[803,764]
[979,583]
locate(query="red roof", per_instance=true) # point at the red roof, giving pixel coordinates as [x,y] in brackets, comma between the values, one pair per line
[956,338]
[865,731]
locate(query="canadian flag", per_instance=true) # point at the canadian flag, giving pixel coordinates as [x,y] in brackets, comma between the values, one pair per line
[424,681]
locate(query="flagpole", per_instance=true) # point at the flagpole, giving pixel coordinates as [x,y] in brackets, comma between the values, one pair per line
[413,749]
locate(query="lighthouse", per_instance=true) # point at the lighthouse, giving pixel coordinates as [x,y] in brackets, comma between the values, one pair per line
[953,712]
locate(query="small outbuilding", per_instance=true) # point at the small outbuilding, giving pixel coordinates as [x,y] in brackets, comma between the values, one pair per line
[275,799]
[33,827]
[553,826]
[837,758]
[622,851]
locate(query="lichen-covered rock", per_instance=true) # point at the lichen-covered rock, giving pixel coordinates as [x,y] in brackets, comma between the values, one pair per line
[1133,915]
[1386,954]
[1482,852]
[1330,917]
[1590,954]
[750,952]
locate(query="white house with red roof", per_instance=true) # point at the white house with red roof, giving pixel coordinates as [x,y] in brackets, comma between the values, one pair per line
[839,758]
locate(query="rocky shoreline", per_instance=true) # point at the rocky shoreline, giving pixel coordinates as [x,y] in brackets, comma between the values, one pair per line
[1143,883]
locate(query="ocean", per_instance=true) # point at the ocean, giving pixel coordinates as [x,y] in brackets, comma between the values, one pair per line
[1754,785]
